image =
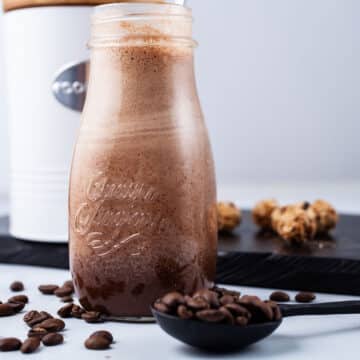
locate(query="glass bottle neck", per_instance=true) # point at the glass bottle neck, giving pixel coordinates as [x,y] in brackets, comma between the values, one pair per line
[140,24]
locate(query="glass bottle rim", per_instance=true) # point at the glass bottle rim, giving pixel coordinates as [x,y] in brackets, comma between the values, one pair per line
[131,10]
[176,19]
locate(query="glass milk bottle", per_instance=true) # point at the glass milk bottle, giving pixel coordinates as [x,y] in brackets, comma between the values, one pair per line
[142,193]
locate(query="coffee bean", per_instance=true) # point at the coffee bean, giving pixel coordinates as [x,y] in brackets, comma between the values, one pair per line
[67,299]
[65,311]
[223,291]
[48,289]
[106,334]
[275,309]
[259,310]
[229,319]
[10,344]
[173,299]
[30,345]
[211,297]
[63,291]
[68,284]
[92,317]
[30,315]
[238,310]
[210,315]
[305,297]
[197,304]
[241,321]
[37,332]
[279,296]
[6,310]
[34,317]
[48,316]
[97,343]
[52,339]
[227,299]
[77,311]
[19,298]
[159,306]
[17,286]
[18,306]
[184,313]
[52,325]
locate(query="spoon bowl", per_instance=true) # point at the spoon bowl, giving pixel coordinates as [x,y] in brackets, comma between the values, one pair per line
[224,337]
[214,337]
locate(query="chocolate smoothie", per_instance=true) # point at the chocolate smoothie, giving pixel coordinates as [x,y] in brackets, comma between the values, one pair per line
[142,195]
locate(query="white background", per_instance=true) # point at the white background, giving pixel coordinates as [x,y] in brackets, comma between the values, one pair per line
[279,82]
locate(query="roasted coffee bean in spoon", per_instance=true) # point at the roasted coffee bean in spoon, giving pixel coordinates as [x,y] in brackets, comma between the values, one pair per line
[221,336]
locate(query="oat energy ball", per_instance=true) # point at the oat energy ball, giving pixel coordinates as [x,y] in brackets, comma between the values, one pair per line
[295,225]
[229,216]
[276,216]
[326,216]
[262,213]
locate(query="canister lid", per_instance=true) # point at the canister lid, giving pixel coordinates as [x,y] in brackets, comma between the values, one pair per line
[19,4]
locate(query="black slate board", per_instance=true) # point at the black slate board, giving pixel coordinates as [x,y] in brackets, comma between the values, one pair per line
[246,257]
[327,264]
[15,251]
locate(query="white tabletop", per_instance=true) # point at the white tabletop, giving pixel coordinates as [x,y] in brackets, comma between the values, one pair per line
[311,337]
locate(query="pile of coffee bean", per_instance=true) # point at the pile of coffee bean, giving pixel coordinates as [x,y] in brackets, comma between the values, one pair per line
[14,305]
[219,305]
[70,310]
[216,305]
[301,297]
[45,328]
[75,311]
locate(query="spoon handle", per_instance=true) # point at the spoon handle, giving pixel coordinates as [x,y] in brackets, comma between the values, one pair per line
[339,307]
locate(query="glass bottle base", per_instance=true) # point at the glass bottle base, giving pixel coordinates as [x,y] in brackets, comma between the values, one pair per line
[131,319]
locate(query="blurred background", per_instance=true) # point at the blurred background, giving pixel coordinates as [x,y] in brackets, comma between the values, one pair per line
[280,87]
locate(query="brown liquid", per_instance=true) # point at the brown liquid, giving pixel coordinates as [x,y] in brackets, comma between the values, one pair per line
[142,196]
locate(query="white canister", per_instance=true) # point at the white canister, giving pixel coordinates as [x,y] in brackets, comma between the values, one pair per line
[45,49]
[40,43]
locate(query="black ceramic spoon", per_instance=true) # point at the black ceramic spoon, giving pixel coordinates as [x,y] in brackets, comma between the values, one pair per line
[222,337]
